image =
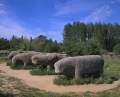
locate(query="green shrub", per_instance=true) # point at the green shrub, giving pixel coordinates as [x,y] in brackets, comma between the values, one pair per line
[91,48]
[3,59]
[103,51]
[16,66]
[42,72]
[100,81]
[9,62]
[19,66]
[108,81]
[63,80]
[116,49]
[4,53]
[82,48]
[2,94]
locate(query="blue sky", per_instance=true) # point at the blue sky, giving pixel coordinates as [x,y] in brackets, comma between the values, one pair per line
[48,17]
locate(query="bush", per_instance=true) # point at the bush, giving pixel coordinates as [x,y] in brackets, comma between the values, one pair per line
[19,66]
[91,48]
[112,67]
[116,49]
[99,81]
[16,66]
[42,72]
[2,94]
[4,53]
[3,59]
[63,80]
[83,48]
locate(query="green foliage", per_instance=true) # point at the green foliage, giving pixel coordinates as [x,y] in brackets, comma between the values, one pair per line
[42,44]
[51,46]
[19,43]
[16,66]
[2,94]
[116,49]
[112,66]
[63,80]
[3,59]
[19,65]
[8,62]
[36,69]
[91,48]
[4,53]
[4,44]
[39,43]
[80,38]
[82,48]
[42,72]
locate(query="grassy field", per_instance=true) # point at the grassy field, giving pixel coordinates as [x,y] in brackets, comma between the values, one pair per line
[112,66]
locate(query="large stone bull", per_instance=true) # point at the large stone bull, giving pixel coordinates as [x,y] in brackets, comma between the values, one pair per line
[80,65]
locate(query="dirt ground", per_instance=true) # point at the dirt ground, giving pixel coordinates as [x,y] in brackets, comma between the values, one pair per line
[46,82]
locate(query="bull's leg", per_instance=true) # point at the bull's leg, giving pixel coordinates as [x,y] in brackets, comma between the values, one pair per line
[77,71]
[48,68]
[24,65]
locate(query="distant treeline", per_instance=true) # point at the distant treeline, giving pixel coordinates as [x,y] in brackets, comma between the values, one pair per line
[78,39]
[40,43]
[81,38]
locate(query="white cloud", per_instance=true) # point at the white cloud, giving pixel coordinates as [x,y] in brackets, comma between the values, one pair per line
[66,8]
[55,35]
[74,6]
[99,15]
[2,12]
[9,26]
[1,5]
[2,9]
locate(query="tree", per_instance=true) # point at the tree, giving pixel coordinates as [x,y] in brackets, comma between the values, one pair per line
[76,35]
[51,46]
[39,43]
[4,44]
[14,43]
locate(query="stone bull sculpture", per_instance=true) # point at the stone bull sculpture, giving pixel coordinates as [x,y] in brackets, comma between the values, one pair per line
[80,65]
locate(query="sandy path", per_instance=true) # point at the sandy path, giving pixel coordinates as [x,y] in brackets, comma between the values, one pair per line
[46,82]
